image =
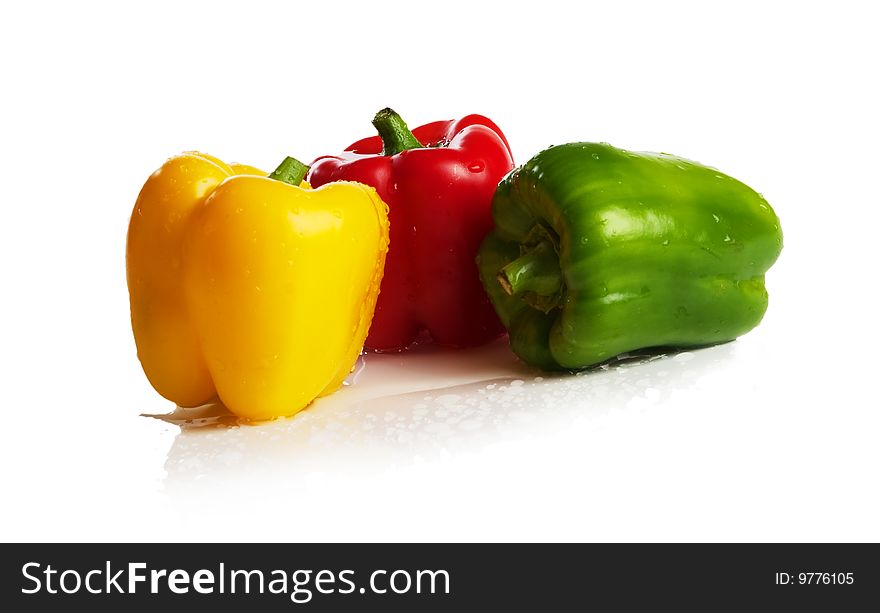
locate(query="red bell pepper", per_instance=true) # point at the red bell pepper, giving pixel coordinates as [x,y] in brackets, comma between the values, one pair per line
[438,182]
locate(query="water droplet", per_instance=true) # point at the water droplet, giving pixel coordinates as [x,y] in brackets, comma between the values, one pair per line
[337,213]
[666,243]
[595,156]
[727,238]
[716,218]
[476,166]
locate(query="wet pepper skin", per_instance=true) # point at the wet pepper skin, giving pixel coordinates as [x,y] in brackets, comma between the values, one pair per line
[598,251]
[248,288]
[439,194]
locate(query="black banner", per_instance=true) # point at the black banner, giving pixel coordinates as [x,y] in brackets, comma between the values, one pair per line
[439,577]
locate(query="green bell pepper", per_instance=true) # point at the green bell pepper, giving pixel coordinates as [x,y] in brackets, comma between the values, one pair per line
[598,251]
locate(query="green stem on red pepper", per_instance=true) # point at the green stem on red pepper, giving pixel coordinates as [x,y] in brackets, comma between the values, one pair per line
[430,284]
[290,171]
[395,134]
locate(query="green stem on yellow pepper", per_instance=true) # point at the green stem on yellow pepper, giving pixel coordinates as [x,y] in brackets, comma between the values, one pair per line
[290,171]
[395,134]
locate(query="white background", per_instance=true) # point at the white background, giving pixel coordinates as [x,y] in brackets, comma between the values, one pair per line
[771,438]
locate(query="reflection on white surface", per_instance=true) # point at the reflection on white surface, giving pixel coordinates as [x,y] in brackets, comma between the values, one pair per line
[408,408]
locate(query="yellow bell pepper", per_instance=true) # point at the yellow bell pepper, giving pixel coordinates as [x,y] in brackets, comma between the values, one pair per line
[257,290]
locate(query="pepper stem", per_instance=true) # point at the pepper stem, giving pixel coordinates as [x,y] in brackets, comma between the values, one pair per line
[396,136]
[290,171]
[535,271]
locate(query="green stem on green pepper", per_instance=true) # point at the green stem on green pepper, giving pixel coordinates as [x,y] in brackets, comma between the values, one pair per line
[535,271]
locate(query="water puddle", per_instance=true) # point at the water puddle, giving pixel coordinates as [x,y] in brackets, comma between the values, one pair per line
[400,408]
